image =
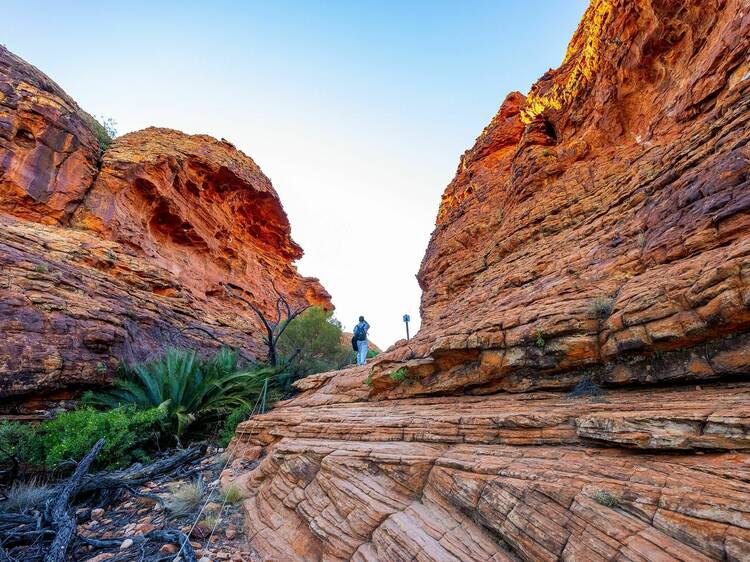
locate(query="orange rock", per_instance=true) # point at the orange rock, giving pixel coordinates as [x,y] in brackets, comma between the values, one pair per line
[596,235]
[135,246]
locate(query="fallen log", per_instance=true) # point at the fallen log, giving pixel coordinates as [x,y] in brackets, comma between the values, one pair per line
[60,516]
[140,474]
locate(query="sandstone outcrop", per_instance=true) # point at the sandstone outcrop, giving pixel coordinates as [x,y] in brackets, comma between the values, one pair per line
[111,256]
[578,389]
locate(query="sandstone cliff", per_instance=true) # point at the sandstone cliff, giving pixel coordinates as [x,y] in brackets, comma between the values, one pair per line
[577,389]
[109,257]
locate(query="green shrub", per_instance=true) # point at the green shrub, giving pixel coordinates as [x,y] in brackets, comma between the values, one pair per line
[235,417]
[19,440]
[312,344]
[606,499]
[104,129]
[371,353]
[191,389]
[127,431]
[398,375]
[539,338]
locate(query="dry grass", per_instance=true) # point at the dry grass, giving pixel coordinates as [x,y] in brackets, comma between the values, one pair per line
[186,497]
[232,494]
[26,496]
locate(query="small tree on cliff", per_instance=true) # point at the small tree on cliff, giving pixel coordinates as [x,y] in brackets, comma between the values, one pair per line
[274,328]
[312,344]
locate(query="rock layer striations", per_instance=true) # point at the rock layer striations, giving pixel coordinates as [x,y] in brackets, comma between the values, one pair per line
[578,389]
[110,256]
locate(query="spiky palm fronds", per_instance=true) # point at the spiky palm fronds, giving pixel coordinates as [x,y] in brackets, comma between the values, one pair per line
[191,388]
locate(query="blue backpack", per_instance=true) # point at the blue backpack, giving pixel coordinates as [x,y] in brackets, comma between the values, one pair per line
[360,332]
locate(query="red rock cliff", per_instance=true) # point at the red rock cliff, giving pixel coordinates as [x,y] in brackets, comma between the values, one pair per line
[110,257]
[597,236]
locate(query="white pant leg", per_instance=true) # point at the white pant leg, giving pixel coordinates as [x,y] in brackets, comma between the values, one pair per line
[361,352]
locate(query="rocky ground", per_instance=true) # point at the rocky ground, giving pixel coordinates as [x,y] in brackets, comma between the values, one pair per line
[137,523]
[215,527]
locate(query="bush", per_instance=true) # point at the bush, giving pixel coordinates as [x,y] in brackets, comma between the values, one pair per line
[586,387]
[231,422]
[190,388]
[72,434]
[312,344]
[399,375]
[370,353]
[127,432]
[104,129]
[18,440]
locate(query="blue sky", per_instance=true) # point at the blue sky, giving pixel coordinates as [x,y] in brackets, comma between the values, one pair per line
[357,111]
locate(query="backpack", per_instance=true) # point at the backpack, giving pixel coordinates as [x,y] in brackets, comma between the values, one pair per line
[354,343]
[360,332]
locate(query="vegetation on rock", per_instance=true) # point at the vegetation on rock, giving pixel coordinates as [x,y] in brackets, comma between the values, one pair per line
[190,388]
[312,344]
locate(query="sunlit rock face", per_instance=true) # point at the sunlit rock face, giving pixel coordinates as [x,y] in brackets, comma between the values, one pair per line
[111,257]
[578,389]
[48,153]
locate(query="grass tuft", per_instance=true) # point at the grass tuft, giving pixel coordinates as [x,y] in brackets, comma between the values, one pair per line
[606,499]
[232,494]
[602,307]
[185,498]
[27,496]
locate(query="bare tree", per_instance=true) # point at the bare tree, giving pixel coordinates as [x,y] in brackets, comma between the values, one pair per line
[284,315]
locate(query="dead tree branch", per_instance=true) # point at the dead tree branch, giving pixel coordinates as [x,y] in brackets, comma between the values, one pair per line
[60,516]
[274,329]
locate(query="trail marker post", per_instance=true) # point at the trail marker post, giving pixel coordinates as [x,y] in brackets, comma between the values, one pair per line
[406,321]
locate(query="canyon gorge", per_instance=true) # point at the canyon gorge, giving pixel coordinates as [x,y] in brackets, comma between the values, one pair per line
[578,389]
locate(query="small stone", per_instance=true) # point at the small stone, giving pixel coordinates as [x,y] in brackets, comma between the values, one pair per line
[195,544]
[169,548]
[144,527]
[204,559]
[101,557]
[222,556]
[213,506]
[230,533]
[127,543]
[200,531]
[97,513]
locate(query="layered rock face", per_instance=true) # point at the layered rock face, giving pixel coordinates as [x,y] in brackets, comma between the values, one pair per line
[578,388]
[110,257]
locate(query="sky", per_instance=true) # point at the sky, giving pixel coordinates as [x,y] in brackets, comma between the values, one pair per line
[358,111]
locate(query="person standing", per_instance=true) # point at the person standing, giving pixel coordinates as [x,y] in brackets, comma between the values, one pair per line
[360,334]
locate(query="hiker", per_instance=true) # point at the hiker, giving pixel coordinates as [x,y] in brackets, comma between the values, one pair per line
[360,335]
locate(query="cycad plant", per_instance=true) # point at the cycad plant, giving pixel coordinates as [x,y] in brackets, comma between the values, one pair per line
[192,389]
